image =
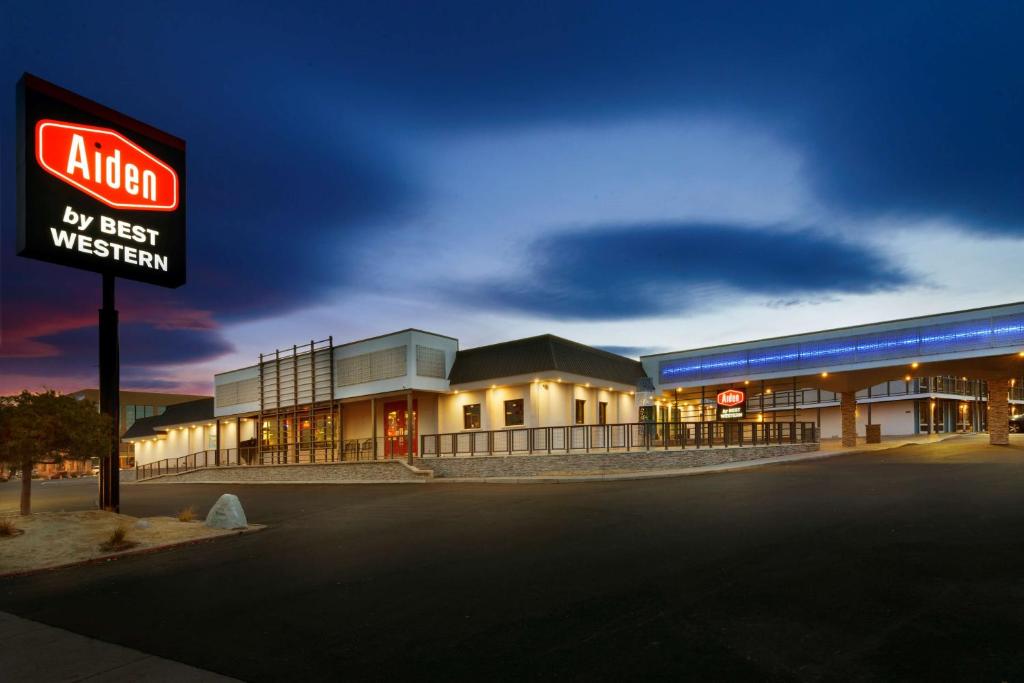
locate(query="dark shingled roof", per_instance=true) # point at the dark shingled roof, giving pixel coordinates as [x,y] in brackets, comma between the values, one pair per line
[539,354]
[180,413]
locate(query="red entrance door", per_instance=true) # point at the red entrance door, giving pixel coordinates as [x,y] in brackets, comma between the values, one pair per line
[396,438]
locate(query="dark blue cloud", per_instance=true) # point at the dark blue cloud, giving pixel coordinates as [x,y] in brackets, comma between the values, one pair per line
[908,109]
[296,114]
[628,271]
[278,189]
[143,347]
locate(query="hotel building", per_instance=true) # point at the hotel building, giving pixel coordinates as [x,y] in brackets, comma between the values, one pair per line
[414,394]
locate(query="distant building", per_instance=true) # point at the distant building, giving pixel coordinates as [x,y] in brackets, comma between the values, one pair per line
[135,405]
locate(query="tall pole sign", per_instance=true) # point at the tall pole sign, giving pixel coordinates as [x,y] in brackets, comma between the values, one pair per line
[99,191]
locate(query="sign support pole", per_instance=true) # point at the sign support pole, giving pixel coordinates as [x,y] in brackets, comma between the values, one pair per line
[110,403]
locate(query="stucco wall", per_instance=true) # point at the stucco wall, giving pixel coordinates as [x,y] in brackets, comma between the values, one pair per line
[895,417]
[545,404]
[176,443]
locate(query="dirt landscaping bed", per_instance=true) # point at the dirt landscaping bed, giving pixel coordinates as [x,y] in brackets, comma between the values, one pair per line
[57,539]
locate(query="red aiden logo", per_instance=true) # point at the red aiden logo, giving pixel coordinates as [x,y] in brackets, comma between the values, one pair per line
[731,397]
[105,165]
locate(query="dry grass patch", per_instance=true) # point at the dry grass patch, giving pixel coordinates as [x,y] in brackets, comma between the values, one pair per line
[7,529]
[186,514]
[53,539]
[118,540]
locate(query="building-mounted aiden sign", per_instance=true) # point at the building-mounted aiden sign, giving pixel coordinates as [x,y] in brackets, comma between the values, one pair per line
[731,404]
[98,190]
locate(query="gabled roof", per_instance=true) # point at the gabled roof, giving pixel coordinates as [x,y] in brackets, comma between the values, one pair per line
[180,413]
[539,354]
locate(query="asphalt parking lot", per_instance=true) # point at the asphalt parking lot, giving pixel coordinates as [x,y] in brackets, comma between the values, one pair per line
[900,564]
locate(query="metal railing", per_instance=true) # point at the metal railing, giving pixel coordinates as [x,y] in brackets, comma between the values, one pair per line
[348,450]
[633,436]
[194,461]
[304,453]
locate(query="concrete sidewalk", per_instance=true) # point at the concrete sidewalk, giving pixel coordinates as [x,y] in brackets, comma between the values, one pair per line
[836,445]
[36,652]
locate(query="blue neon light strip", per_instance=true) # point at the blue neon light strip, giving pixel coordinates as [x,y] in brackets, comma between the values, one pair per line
[910,343]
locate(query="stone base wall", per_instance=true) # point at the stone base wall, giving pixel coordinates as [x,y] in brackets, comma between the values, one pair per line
[330,472]
[999,412]
[848,416]
[598,463]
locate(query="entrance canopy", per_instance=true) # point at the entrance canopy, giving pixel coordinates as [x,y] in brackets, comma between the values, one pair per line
[983,343]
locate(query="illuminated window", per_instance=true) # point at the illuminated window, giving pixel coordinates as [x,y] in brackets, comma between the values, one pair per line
[514,412]
[602,413]
[471,416]
[581,411]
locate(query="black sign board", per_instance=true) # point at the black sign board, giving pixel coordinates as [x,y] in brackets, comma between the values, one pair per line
[731,404]
[98,190]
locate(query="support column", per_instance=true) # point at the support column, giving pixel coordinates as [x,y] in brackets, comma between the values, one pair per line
[110,399]
[999,412]
[373,425]
[848,410]
[410,424]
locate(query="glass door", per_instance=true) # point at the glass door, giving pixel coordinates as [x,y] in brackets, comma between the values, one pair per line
[396,437]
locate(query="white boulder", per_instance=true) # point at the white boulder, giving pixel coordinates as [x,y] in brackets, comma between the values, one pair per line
[227,513]
[142,524]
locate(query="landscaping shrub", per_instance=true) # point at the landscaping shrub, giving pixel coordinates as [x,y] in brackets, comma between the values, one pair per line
[118,540]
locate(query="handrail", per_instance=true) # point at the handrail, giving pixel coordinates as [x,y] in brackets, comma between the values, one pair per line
[628,436]
[194,461]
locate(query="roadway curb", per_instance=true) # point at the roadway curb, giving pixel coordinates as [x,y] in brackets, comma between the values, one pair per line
[542,479]
[650,474]
[252,528]
[302,482]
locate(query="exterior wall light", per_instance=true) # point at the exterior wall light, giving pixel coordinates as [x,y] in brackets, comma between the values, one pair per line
[824,374]
[915,365]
